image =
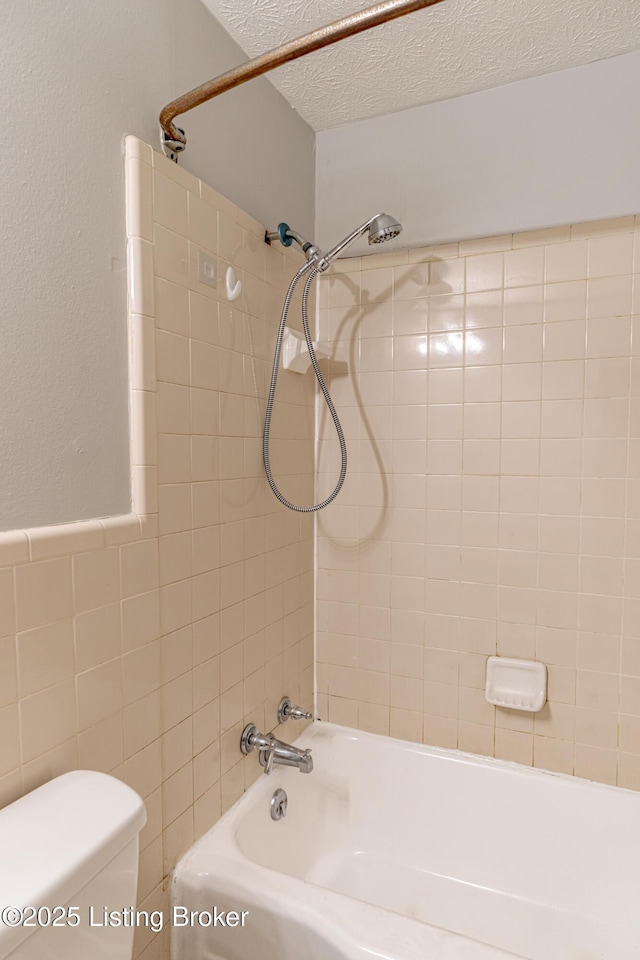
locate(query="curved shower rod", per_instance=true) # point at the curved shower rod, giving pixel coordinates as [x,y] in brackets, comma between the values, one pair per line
[173,138]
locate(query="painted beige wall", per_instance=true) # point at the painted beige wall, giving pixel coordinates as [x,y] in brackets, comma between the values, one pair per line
[489,394]
[140,645]
[78,77]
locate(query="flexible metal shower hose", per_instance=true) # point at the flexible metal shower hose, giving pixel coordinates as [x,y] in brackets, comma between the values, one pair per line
[272,392]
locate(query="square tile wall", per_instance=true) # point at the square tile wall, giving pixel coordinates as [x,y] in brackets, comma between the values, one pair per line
[141,645]
[490,395]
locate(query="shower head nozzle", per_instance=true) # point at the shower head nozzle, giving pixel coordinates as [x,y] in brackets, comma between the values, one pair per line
[380,228]
[383,227]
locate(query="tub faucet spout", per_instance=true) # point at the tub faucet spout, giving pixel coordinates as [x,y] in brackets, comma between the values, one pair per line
[273,751]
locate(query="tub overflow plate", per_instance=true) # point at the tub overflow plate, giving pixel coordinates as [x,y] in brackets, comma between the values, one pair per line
[278,804]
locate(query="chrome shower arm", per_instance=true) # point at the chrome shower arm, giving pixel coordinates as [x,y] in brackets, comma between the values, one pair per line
[174,140]
[272,235]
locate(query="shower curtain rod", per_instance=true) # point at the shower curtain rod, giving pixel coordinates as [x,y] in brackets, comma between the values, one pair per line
[173,138]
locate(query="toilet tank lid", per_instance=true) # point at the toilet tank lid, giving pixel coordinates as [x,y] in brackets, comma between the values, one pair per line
[54,840]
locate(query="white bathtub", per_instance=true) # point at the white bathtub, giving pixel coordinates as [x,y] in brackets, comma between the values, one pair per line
[403,852]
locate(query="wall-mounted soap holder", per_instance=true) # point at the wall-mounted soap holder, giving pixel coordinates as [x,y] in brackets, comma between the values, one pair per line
[516,684]
[295,353]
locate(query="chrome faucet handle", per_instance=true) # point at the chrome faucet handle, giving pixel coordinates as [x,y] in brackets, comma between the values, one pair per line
[263,741]
[287,709]
[252,739]
[266,745]
[268,755]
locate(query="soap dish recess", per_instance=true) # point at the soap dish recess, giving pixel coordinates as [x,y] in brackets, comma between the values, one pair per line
[516,684]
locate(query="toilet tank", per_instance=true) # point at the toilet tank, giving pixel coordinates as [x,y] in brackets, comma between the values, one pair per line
[72,844]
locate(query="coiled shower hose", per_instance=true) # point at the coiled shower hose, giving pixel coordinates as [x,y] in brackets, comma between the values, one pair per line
[327,396]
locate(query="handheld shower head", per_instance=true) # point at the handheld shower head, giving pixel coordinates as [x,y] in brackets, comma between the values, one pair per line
[380,228]
[383,227]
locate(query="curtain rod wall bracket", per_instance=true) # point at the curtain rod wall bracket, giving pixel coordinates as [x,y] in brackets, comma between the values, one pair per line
[173,139]
[171,147]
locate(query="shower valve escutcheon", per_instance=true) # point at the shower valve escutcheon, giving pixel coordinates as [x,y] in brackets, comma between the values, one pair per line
[291,711]
[273,752]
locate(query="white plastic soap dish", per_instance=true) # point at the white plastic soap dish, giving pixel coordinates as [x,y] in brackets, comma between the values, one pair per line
[517,684]
[295,353]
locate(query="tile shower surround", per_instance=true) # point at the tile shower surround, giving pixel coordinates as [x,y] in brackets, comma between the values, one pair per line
[490,395]
[140,645]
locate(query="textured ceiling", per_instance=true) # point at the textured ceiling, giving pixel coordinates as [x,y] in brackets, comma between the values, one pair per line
[454,48]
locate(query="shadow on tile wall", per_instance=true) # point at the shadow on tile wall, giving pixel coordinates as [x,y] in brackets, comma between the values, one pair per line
[490,396]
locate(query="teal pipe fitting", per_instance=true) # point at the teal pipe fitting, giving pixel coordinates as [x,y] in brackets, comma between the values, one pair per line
[283,233]
[286,236]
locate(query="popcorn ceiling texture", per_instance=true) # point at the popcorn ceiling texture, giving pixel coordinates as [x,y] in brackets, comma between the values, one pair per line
[452,49]
[140,645]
